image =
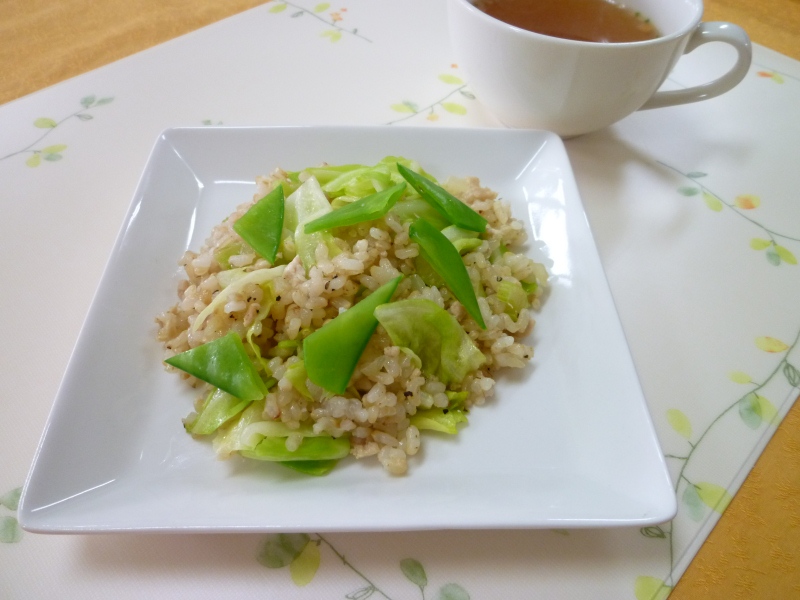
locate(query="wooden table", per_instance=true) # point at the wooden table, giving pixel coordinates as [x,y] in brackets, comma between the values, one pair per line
[754,552]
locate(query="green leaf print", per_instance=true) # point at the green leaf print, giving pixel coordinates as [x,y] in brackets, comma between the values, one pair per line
[714,496]
[771,344]
[52,153]
[44,123]
[10,531]
[768,411]
[55,149]
[750,411]
[281,549]
[773,257]
[688,191]
[650,588]
[792,374]
[451,79]
[760,244]
[785,255]
[414,572]
[332,34]
[322,7]
[697,498]
[278,8]
[713,202]
[305,565]
[756,409]
[775,253]
[11,499]
[405,107]
[362,593]
[455,108]
[653,531]
[679,422]
[740,377]
[691,499]
[452,591]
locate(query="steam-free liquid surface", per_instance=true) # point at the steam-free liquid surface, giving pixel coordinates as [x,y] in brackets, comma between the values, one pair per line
[584,20]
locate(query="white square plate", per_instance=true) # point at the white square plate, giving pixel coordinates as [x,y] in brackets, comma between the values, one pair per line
[566,443]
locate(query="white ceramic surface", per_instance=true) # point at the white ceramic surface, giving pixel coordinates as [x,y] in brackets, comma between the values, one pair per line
[567,443]
[574,87]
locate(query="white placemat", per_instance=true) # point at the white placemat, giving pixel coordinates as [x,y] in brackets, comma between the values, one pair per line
[693,208]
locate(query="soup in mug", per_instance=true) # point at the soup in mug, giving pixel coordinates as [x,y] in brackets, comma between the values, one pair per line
[584,20]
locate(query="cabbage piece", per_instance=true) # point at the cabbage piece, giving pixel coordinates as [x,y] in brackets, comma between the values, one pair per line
[311,448]
[306,203]
[232,436]
[284,348]
[255,432]
[393,161]
[256,328]
[327,173]
[434,335]
[261,429]
[223,255]
[317,468]
[512,294]
[456,399]
[439,419]
[359,182]
[259,277]
[227,277]
[218,408]
[463,239]
[296,374]
[354,181]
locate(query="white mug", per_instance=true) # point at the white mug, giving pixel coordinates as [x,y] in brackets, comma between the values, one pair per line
[573,87]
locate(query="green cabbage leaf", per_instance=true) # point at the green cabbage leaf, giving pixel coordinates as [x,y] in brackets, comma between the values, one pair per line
[434,335]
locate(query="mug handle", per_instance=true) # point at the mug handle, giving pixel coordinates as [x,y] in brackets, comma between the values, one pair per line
[712,31]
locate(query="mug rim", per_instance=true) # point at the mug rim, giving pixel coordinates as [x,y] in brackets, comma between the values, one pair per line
[691,25]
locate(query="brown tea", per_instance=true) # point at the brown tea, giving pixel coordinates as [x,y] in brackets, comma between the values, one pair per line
[584,20]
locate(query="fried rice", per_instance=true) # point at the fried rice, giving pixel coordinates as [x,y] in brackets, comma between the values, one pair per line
[388,386]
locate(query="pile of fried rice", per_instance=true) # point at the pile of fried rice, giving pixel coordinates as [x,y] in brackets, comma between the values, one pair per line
[387,387]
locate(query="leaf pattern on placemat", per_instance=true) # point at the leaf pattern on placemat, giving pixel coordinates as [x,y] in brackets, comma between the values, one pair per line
[53,153]
[445,103]
[319,13]
[650,588]
[698,497]
[775,253]
[10,531]
[301,553]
